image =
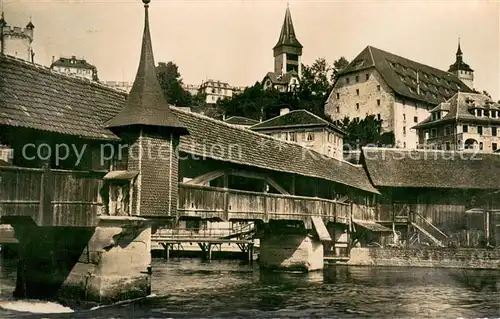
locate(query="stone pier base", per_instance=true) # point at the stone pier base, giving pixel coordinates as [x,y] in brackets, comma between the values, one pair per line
[88,266]
[290,252]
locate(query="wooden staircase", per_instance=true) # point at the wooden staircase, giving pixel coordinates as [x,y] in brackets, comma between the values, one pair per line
[423,227]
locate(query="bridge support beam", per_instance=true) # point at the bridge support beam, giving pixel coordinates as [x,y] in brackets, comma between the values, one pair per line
[85,266]
[288,246]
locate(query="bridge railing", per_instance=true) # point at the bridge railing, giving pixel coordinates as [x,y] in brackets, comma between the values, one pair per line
[230,204]
[51,197]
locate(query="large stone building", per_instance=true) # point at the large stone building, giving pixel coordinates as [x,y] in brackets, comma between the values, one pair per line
[306,129]
[399,91]
[74,66]
[467,121]
[16,41]
[287,59]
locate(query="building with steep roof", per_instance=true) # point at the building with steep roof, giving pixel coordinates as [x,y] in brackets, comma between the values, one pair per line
[467,121]
[306,129]
[461,69]
[16,41]
[398,91]
[74,66]
[287,59]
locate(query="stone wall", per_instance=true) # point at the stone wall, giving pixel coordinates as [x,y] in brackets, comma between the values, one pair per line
[290,252]
[426,257]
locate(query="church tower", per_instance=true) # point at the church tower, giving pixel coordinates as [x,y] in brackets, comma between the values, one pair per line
[461,69]
[288,50]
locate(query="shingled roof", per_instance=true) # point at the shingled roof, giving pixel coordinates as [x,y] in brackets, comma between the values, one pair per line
[146,104]
[408,78]
[240,120]
[36,97]
[431,168]
[221,141]
[279,78]
[294,119]
[287,34]
[459,109]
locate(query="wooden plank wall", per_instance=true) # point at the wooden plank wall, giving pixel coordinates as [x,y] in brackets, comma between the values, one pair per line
[229,204]
[51,197]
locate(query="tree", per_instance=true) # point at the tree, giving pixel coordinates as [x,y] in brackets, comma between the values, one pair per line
[367,131]
[171,84]
[257,103]
[315,77]
[338,65]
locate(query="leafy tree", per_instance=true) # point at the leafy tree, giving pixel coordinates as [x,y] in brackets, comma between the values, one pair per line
[257,103]
[367,131]
[171,84]
[338,65]
[315,77]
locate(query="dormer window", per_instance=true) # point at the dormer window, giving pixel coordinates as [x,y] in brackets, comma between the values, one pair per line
[479,112]
[493,113]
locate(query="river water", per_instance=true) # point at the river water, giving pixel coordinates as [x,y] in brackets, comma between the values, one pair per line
[190,288]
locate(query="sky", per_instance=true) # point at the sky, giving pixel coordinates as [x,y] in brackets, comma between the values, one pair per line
[232,40]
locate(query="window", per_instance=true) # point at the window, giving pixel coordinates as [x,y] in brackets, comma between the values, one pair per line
[378,87]
[378,102]
[357,106]
[338,109]
[479,112]
[404,130]
[357,92]
[404,144]
[404,102]
[329,137]
[481,146]
[338,96]
[292,136]
[357,78]
[404,117]
[310,136]
[367,76]
[347,80]
[378,116]
[465,129]
[494,131]
[446,130]
[426,134]
[415,119]
[480,130]
[494,146]
[433,133]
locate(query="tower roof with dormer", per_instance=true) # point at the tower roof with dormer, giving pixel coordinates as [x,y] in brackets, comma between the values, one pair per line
[146,104]
[287,35]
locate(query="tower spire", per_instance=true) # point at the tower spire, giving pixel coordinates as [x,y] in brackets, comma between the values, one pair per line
[287,35]
[459,51]
[146,104]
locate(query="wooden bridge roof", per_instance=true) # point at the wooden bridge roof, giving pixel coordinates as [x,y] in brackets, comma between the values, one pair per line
[221,141]
[431,168]
[36,97]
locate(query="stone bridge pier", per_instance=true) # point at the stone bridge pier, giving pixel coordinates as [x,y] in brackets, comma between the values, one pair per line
[292,245]
[102,264]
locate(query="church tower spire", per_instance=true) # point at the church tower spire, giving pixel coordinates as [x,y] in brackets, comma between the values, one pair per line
[288,50]
[461,69]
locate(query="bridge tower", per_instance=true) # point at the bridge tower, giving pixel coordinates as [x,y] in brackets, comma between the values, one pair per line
[112,261]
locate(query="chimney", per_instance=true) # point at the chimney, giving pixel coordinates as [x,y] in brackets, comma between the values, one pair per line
[53,59]
[284,111]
